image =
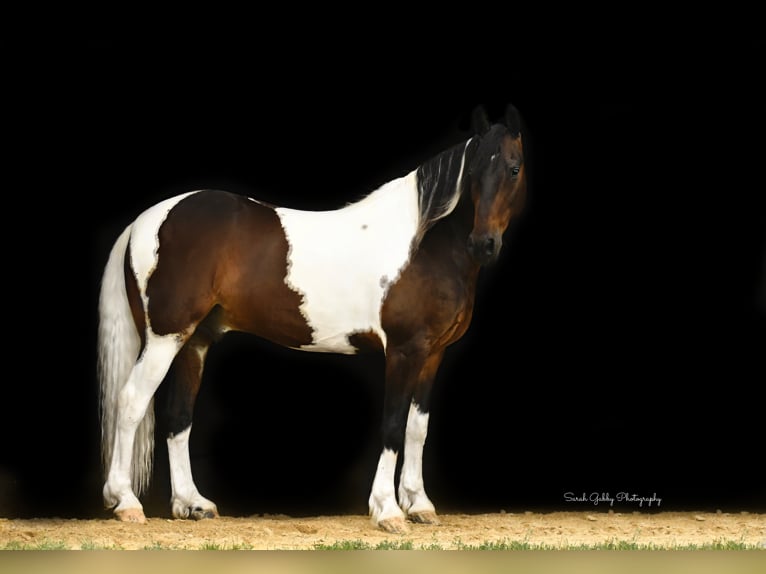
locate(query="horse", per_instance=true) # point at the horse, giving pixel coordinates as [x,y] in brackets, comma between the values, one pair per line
[394,272]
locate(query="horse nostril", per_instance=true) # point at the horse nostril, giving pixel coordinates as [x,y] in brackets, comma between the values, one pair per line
[483,248]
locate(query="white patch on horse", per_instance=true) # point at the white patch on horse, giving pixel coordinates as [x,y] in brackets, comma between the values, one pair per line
[145,242]
[185,498]
[342,262]
[456,197]
[133,404]
[382,503]
[412,494]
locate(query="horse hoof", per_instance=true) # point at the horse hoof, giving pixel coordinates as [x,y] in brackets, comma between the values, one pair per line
[203,513]
[135,515]
[395,525]
[425,517]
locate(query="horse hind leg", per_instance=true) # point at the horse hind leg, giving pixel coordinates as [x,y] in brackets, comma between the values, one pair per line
[133,402]
[186,501]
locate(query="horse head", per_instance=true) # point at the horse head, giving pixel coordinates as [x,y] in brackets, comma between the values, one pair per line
[497,182]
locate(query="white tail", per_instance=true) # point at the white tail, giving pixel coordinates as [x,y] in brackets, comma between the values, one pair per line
[118,348]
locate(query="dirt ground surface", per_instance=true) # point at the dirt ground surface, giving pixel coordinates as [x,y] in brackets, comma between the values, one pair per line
[555,529]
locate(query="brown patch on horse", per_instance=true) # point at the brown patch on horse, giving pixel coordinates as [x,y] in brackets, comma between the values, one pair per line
[134,298]
[221,249]
[366,341]
[444,299]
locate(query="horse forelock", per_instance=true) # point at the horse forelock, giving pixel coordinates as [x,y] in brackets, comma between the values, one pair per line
[486,147]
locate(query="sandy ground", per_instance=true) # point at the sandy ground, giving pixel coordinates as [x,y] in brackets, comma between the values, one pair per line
[555,529]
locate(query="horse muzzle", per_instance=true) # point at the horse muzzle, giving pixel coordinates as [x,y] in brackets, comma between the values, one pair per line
[484,248]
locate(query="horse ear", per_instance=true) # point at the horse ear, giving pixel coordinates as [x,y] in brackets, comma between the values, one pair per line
[513,120]
[479,121]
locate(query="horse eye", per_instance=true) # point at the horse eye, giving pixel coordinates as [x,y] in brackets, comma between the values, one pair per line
[515,171]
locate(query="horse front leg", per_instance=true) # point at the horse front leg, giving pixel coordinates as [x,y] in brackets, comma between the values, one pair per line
[384,510]
[413,499]
[408,380]
[412,495]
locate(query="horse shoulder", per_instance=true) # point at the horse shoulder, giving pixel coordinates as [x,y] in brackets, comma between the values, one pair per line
[429,303]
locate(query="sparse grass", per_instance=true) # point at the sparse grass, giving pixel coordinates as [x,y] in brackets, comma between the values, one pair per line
[498,545]
[158,546]
[343,545]
[502,545]
[90,545]
[608,545]
[389,545]
[432,546]
[360,545]
[215,546]
[521,545]
[43,545]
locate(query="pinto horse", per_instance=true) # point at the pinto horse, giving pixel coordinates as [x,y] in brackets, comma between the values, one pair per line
[395,272]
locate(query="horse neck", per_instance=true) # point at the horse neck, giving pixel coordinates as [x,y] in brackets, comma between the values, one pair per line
[440,183]
[446,241]
[446,209]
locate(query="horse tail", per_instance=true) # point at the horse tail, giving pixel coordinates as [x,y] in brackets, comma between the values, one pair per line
[119,344]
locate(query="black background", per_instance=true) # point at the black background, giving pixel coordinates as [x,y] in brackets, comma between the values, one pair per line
[617,346]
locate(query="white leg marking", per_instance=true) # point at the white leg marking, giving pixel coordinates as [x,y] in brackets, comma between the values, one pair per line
[382,502]
[412,494]
[186,500]
[132,403]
